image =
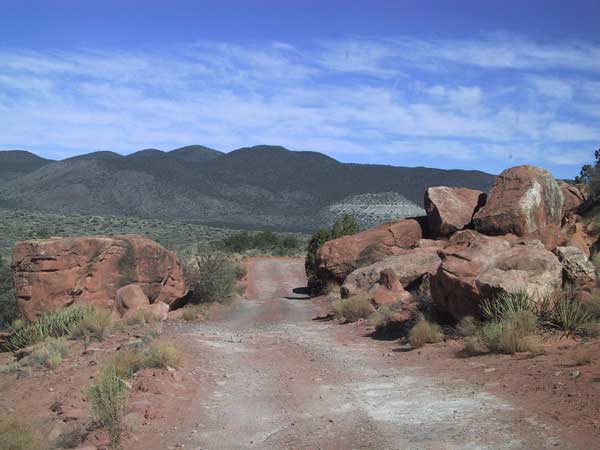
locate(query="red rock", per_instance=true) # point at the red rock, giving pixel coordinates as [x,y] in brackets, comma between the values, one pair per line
[475,266]
[578,271]
[574,197]
[53,273]
[523,200]
[450,209]
[407,268]
[131,298]
[339,257]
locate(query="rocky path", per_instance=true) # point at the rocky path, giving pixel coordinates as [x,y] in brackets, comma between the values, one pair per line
[271,377]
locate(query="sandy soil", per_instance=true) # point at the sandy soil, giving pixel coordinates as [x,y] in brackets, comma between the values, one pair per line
[272,372]
[270,376]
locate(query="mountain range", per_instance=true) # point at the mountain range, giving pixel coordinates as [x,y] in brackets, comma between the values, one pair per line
[261,186]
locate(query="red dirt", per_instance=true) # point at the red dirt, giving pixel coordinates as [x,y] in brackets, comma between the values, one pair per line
[264,374]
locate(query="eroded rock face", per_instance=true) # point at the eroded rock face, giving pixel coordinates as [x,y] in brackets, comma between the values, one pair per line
[574,197]
[523,200]
[53,273]
[339,257]
[578,271]
[475,266]
[450,209]
[406,268]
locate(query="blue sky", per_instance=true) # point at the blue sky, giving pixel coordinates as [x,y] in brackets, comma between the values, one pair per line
[450,84]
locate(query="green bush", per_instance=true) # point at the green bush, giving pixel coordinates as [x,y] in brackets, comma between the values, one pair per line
[57,323]
[107,396]
[506,304]
[569,315]
[141,317]
[212,279]
[161,355]
[8,304]
[424,332]
[353,308]
[15,435]
[264,242]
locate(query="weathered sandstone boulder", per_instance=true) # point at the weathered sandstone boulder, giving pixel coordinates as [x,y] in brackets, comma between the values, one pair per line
[475,266]
[450,209]
[407,268]
[131,298]
[578,271]
[53,273]
[388,290]
[159,311]
[339,257]
[574,197]
[523,200]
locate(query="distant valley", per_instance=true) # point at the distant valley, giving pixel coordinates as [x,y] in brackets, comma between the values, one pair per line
[255,187]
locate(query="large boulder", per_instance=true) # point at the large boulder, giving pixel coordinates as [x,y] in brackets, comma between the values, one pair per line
[475,267]
[523,200]
[407,268]
[131,298]
[450,209]
[54,273]
[339,257]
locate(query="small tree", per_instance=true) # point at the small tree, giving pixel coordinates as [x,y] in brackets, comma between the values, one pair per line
[212,279]
[310,264]
[590,175]
[8,304]
[347,225]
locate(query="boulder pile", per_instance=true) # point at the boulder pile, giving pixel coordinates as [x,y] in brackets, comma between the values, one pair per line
[118,273]
[524,236]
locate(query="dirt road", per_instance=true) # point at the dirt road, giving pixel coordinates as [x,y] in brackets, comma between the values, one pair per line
[271,377]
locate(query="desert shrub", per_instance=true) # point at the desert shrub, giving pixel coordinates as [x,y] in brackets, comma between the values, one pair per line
[506,304]
[264,242]
[12,367]
[94,324]
[161,355]
[424,332]
[591,329]
[240,270]
[582,357]
[511,334]
[53,324]
[16,435]
[51,353]
[469,326]
[193,312]
[591,304]
[212,279]
[107,396]
[381,318]
[8,303]
[127,362]
[345,226]
[353,308]
[569,315]
[141,317]
[72,437]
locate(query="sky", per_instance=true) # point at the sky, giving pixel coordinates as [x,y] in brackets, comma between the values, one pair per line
[450,84]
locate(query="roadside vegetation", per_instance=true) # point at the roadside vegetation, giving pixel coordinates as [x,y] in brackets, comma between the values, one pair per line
[261,243]
[8,305]
[18,435]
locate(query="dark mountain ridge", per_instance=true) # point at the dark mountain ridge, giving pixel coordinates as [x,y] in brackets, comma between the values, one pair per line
[262,186]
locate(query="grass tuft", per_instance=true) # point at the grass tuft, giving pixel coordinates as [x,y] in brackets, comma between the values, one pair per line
[51,353]
[94,324]
[424,332]
[353,308]
[15,435]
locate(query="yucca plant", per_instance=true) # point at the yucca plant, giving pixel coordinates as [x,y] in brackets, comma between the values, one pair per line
[53,324]
[506,304]
[569,315]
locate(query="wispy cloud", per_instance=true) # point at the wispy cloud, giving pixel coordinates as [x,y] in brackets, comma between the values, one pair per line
[493,101]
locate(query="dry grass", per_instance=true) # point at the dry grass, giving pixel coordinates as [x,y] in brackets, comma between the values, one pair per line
[94,324]
[469,326]
[51,353]
[424,332]
[141,317]
[16,435]
[353,308]
[107,396]
[161,355]
[512,334]
[582,357]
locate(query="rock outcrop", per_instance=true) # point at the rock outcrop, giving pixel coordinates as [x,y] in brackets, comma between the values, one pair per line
[450,209]
[574,197]
[339,257]
[53,273]
[523,200]
[578,271]
[407,269]
[475,266]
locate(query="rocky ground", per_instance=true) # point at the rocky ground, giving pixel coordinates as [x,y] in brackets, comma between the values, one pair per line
[274,372]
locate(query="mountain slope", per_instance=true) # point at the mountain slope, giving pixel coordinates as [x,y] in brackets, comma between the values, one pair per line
[256,186]
[14,163]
